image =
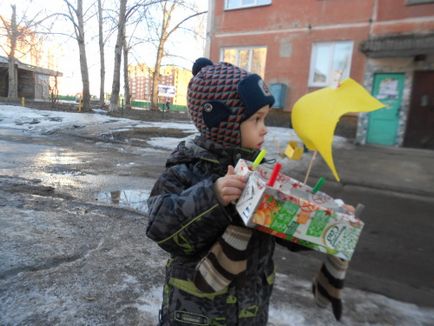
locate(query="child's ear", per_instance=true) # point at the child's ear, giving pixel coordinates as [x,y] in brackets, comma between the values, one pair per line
[215,112]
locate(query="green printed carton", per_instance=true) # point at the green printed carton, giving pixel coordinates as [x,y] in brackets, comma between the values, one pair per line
[291,211]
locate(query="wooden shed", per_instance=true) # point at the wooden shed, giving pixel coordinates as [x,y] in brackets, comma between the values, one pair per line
[33,82]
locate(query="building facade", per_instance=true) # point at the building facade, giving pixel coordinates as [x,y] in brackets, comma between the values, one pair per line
[301,46]
[172,78]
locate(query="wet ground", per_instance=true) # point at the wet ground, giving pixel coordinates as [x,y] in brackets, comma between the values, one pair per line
[82,199]
[73,249]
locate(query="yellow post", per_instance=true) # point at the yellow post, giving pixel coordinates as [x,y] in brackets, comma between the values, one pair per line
[80,105]
[23,101]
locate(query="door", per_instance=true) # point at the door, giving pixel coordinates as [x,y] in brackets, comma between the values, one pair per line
[383,123]
[420,124]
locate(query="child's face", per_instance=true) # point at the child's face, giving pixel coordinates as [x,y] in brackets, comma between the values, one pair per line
[253,129]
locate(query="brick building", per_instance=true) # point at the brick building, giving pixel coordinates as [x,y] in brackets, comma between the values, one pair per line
[140,82]
[300,46]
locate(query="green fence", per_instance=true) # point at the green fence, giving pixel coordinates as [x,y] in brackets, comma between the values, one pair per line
[67,97]
[162,106]
[137,104]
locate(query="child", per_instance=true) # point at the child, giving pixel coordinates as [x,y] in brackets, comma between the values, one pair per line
[220,272]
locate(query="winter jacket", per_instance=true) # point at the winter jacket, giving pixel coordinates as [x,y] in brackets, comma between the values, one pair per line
[186,219]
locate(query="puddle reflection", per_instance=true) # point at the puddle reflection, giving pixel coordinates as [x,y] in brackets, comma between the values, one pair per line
[135,199]
[59,156]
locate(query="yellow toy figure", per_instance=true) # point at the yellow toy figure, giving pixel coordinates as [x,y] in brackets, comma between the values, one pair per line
[315,115]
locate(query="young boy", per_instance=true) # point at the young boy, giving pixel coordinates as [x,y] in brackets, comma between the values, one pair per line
[220,272]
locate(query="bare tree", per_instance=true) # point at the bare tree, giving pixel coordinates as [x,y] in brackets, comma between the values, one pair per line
[127,94]
[114,99]
[21,39]
[101,54]
[165,32]
[13,35]
[129,44]
[76,17]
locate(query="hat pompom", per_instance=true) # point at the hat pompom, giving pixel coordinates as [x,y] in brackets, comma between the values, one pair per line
[199,64]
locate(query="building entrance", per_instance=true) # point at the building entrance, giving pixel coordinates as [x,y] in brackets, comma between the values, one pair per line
[420,123]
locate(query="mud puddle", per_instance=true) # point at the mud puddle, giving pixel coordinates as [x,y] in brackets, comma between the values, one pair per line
[130,199]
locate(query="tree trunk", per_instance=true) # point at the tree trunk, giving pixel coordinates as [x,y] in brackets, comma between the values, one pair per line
[12,71]
[167,15]
[101,54]
[114,99]
[83,58]
[156,78]
[127,94]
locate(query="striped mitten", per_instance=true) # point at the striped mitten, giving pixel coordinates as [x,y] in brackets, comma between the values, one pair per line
[226,259]
[328,284]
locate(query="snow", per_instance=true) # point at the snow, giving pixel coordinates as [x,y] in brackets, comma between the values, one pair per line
[47,122]
[361,305]
[168,143]
[284,313]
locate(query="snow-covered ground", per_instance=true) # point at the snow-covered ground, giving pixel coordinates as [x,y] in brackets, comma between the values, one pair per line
[361,308]
[46,122]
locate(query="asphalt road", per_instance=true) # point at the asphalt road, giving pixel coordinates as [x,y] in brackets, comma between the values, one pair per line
[394,255]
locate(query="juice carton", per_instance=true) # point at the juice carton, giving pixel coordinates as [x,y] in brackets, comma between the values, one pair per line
[291,211]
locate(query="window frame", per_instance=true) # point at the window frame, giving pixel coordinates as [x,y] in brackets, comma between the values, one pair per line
[329,75]
[237,56]
[241,6]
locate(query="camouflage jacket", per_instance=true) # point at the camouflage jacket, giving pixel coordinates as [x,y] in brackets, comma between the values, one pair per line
[185,215]
[185,219]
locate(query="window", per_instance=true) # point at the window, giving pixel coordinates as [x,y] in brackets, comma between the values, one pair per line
[329,60]
[235,4]
[251,59]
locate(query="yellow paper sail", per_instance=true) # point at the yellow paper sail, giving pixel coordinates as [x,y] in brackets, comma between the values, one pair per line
[315,115]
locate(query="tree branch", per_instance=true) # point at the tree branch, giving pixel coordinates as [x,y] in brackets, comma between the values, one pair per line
[184,20]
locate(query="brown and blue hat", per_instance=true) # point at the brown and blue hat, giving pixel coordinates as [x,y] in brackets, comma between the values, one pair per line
[221,96]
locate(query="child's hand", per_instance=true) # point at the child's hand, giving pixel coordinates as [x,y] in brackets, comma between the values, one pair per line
[349,208]
[229,187]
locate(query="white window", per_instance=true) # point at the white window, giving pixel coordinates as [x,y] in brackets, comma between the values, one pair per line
[252,58]
[235,4]
[330,61]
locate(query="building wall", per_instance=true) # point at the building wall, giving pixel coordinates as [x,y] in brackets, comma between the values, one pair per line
[139,77]
[42,83]
[182,78]
[289,28]
[4,82]
[140,80]
[283,14]
[26,84]
[391,65]
[389,10]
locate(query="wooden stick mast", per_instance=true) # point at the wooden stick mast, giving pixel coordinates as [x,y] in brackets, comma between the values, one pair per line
[310,166]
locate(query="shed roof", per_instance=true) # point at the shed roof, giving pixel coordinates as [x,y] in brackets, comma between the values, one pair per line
[43,71]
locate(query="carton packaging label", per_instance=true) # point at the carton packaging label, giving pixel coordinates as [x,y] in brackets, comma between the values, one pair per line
[291,211]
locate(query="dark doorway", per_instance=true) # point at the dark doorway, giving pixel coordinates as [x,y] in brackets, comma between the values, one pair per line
[420,124]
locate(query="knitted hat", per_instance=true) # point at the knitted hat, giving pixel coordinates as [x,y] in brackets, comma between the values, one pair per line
[221,96]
